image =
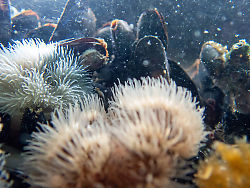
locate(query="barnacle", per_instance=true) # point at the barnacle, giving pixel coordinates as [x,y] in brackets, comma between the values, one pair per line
[160,108]
[36,75]
[228,167]
[212,50]
[213,55]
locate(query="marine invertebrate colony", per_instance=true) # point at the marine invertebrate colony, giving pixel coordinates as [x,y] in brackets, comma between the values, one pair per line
[36,75]
[141,145]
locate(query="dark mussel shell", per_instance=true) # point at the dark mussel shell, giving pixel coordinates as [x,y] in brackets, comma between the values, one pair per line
[182,79]
[213,55]
[237,76]
[83,44]
[211,96]
[150,58]
[24,23]
[151,22]
[93,52]
[77,20]
[105,33]
[237,79]
[42,32]
[92,59]
[122,39]
[237,67]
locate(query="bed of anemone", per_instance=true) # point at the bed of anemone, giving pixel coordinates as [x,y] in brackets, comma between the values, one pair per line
[135,144]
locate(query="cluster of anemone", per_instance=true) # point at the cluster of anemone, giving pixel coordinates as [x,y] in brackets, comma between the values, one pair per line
[150,127]
[35,75]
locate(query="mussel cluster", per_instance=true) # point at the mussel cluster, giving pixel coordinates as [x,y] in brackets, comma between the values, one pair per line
[126,52]
[223,81]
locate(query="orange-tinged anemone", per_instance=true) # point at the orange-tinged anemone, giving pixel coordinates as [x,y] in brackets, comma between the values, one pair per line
[72,152]
[155,105]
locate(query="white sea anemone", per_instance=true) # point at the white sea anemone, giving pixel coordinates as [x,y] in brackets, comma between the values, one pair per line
[88,110]
[153,126]
[72,153]
[144,158]
[28,53]
[158,116]
[77,152]
[43,76]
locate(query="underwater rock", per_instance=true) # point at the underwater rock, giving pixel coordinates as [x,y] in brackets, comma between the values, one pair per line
[150,58]
[151,22]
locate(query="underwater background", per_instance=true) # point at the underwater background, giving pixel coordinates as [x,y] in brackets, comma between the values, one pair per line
[124,93]
[190,23]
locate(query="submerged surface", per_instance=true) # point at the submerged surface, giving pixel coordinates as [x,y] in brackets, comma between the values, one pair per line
[118,93]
